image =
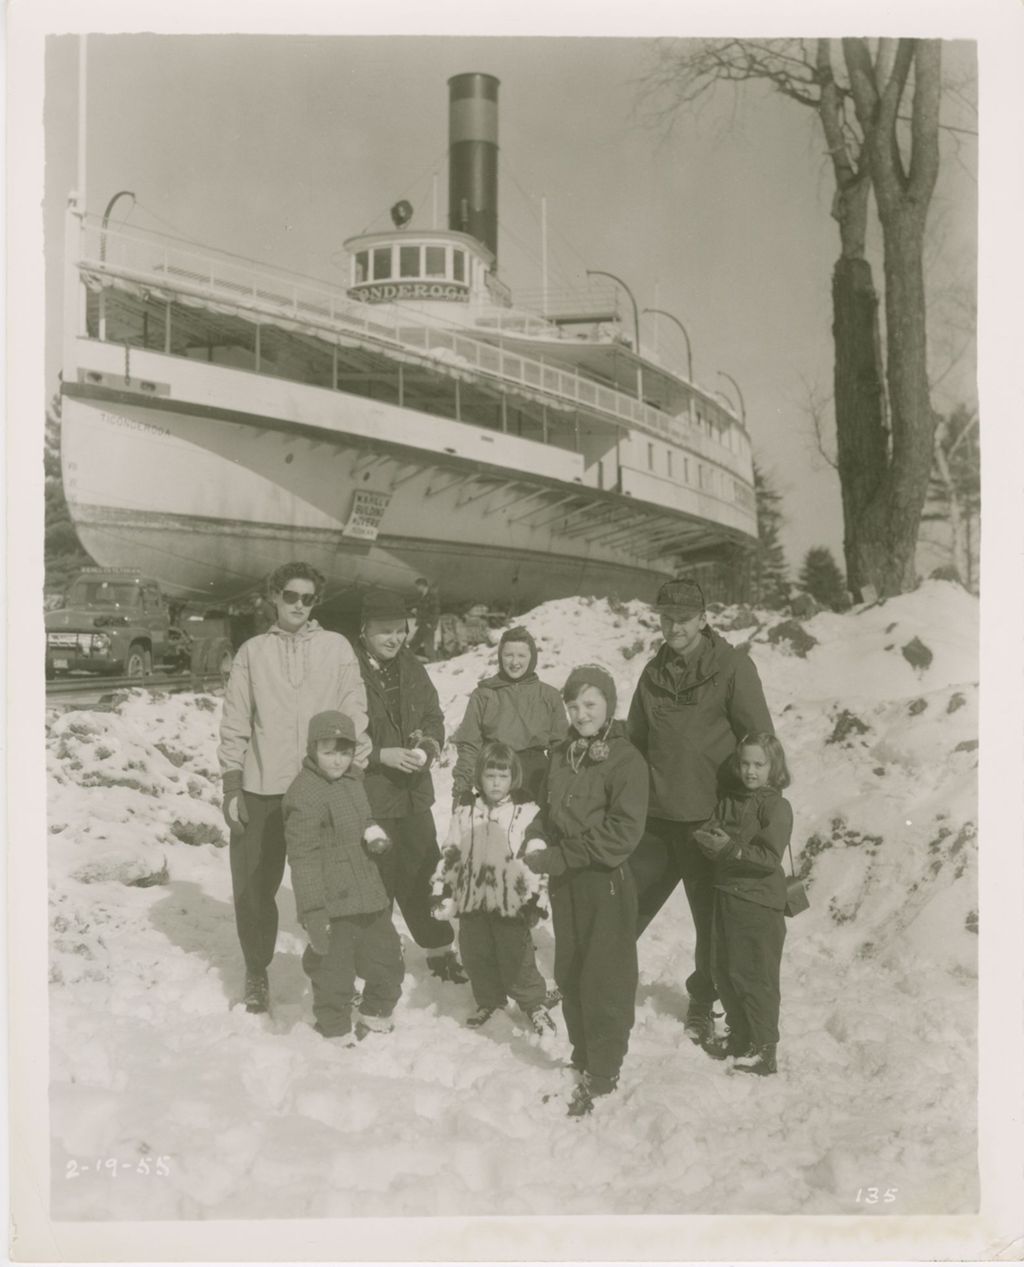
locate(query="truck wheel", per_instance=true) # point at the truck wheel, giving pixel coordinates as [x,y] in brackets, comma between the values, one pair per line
[135,662]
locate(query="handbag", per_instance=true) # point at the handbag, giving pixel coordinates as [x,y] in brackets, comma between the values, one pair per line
[796,895]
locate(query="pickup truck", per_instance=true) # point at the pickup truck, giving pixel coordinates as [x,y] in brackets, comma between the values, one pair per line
[118,621]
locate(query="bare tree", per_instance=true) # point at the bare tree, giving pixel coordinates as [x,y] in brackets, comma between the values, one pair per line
[861,92]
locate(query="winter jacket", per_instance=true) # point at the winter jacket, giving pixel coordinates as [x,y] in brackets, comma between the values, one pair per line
[686,717]
[525,713]
[410,717]
[324,822]
[759,825]
[595,809]
[481,867]
[278,681]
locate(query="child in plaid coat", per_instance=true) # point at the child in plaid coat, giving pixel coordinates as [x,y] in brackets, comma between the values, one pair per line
[331,840]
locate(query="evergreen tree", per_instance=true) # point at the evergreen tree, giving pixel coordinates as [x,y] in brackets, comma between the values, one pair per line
[63,555]
[769,573]
[821,578]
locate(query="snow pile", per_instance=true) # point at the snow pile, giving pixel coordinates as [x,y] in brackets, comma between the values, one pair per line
[169,1101]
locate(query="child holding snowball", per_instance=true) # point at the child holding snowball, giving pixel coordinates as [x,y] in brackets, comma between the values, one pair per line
[483,880]
[332,842]
[746,840]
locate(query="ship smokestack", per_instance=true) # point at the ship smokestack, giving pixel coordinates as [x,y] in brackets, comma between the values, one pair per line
[473,157]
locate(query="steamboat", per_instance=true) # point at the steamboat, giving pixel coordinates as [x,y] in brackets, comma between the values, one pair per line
[220,417]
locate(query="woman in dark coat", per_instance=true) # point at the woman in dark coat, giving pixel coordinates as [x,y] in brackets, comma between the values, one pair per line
[406,729]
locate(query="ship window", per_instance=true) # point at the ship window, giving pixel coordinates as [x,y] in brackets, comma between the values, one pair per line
[381,262]
[668,462]
[362,267]
[409,261]
[459,266]
[650,457]
[435,262]
[686,470]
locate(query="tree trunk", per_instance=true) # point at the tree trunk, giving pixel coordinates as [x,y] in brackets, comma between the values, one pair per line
[913,422]
[861,436]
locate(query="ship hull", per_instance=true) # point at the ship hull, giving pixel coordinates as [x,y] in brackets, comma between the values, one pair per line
[211,502]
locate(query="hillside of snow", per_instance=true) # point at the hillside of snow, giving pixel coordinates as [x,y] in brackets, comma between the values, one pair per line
[169,1101]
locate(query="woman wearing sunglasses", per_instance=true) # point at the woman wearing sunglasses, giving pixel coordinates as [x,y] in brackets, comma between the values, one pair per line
[278,681]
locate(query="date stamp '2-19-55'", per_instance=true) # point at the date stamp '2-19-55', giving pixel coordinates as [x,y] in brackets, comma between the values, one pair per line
[112,1167]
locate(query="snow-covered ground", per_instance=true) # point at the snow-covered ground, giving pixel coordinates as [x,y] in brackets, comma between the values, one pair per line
[193,1109]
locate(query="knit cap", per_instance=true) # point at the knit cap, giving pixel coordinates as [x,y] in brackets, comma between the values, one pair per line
[591,675]
[329,725]
[380,604]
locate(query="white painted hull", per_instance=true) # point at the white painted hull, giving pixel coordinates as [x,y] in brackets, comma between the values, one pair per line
[210,505]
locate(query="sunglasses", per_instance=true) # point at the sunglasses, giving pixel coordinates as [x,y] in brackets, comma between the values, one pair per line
[293,596]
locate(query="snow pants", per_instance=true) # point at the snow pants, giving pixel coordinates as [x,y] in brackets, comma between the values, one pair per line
[406,869]
[747,955]
[666,854]
[594,916]
[497,953]
[359,945]
[257,856]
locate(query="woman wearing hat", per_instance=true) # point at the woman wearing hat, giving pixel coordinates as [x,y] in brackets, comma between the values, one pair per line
[695,699]
[512,707]
[594,807]
[406,729]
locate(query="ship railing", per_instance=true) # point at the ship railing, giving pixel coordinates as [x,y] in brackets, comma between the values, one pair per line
[172,265]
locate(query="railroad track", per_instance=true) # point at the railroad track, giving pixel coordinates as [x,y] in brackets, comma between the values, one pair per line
[85,690]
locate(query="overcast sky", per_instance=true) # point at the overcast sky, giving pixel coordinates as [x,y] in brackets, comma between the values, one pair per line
[280,147]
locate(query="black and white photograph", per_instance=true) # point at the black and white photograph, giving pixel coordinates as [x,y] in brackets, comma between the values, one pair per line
[503,512]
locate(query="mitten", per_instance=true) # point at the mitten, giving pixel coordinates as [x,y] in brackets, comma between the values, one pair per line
[712,843]
[430,748]
[376,839]
[236,814]
[549,861]
[318,930]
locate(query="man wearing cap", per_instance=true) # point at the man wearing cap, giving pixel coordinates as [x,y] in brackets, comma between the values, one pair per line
[695,699]
[406,728]
[278,681]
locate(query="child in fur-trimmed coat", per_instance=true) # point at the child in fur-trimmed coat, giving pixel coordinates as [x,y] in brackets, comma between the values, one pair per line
[482,880]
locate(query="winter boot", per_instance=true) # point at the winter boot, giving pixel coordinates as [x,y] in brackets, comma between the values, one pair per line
[342,1040]
[587,1090]
[553,997]
[446,967]
[720,1047]
[699,1025]
[541,1020]
[481,1016]
[759,1060]
[257,992]
[366,1025]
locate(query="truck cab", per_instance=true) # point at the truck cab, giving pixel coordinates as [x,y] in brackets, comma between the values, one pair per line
[113,621]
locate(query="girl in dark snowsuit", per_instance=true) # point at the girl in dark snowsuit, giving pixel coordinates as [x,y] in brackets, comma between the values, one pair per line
[745,841]
[595,804]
